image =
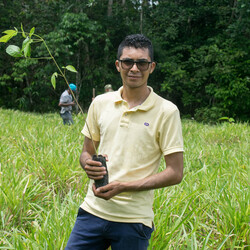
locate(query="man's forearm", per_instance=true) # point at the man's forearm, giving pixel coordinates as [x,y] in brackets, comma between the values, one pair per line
[66,104]
[88,151]
[167,177]
[163,179]
[172,175]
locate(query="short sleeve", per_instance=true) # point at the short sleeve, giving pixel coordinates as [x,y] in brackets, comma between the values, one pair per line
[91,127]
[170,134]
[63,99]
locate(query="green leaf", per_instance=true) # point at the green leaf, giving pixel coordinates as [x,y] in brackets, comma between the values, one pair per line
[23,33]
[14,51]
[27,50]
[32,31]
[5,39]
[10,32]
[53,79]
[25,42]
[8,36]
[224,118]
[26,47]
[70,68]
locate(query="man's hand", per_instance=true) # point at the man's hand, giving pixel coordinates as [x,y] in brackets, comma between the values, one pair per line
[108,191]
[94,170]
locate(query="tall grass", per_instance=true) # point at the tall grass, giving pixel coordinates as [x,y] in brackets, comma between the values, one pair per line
[42,186]
[210,208]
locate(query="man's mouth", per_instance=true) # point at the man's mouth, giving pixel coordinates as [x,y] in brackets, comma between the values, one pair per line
[134,76]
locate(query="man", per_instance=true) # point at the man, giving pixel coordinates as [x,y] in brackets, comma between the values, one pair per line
[66,104]
[108,88]
[134,128]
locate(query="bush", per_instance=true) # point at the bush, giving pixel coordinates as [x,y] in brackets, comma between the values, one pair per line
[209,115]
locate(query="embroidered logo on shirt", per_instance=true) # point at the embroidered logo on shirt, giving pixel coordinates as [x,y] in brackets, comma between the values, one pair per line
[146,124]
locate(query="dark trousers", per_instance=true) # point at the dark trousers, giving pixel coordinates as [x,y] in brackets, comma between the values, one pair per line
[93,233]
[67,118]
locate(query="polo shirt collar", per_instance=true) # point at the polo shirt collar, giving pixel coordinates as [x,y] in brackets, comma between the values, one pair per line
[145,106]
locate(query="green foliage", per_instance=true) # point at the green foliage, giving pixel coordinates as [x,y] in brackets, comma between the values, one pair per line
[8,36]
[53,79]
[229,119]
[25,51]
[87,45]
[70,68]
[208,115]
[201,49]
[14,51]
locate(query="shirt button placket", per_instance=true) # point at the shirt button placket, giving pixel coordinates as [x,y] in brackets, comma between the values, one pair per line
[124,120]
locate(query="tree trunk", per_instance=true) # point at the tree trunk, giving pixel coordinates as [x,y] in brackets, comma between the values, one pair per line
[143,4]
[110,3]
[233,11]
[29,92]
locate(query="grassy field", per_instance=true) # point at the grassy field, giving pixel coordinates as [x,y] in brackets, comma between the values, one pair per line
[42,186]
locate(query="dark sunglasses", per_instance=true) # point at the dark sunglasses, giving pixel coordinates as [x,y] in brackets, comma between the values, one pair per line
[127,64]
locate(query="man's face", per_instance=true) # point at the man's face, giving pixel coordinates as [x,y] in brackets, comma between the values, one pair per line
[134,77]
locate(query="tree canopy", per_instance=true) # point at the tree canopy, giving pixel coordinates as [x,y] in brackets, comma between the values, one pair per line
[201,50]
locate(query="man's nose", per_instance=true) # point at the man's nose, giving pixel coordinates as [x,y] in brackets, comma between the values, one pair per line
[134,67]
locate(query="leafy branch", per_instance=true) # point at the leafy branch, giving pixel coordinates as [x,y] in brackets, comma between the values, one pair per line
[25,51]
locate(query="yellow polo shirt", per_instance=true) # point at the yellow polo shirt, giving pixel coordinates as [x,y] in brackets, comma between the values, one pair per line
[134,140]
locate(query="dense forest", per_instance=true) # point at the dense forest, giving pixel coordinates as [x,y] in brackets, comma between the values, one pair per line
[201,49]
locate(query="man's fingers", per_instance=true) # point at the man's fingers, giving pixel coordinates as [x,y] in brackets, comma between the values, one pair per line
[94,169]
[106,157]
[108,191]
[91,163]
[95,177]
[95,173]
[103,192]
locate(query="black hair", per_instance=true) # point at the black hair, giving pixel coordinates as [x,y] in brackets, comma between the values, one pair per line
[136,41]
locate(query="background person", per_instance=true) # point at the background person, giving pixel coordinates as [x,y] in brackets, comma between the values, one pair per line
[134,127]
[66,104]
[108,88]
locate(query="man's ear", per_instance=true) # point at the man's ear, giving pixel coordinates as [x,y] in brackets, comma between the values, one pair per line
[117,65]
[153,65]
